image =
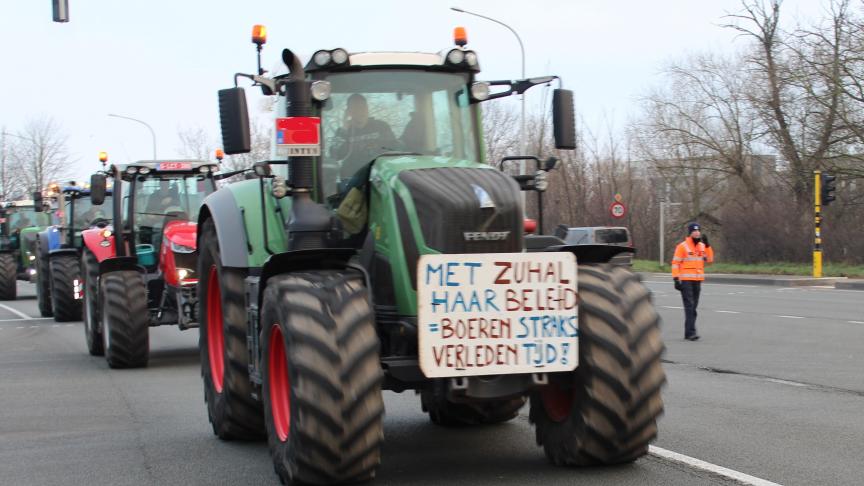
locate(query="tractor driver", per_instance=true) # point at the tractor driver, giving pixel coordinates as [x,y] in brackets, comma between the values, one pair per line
[361,137]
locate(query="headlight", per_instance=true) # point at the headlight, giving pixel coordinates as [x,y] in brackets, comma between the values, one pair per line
[204,169]
[131,170]
[32,257]
[144,170]
[471,58]
[540,182]
[106,233]
[177,248]
[456,56]
[340,56]
[184,273]
[322,58]
[480,91]
[321,90]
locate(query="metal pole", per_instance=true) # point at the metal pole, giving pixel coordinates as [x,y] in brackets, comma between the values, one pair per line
[817,211]
[3,163]
[662,226]
[152,133]
[523,135]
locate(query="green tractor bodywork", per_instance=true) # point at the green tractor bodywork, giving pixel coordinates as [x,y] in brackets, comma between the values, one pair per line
[21,223]
[311,268]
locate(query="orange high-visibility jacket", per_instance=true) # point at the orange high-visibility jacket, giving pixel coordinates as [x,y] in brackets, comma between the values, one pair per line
[690,259]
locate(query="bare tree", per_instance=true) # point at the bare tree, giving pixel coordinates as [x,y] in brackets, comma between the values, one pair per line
[195,143]
[39,153]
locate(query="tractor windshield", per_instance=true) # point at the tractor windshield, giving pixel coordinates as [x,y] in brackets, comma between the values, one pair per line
[86,214]
[20,218]
[371,113]
[168,197]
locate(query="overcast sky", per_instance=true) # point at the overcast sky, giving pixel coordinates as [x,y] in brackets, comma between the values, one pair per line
[163,61]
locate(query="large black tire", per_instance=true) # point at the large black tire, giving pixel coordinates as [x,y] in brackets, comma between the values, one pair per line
[125,319]
[91,318]
[606,411]
[322,378]
[8,277]
[480,412]
[233,411]
[65,270]
[43,283]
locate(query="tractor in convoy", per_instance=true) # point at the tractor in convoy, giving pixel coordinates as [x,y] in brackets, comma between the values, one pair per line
[377,251]
[20,222]
[59,287]
[139,271]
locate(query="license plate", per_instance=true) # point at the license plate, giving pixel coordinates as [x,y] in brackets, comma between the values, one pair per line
[495,314]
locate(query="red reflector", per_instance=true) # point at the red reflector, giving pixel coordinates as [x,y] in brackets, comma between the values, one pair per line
[530,225]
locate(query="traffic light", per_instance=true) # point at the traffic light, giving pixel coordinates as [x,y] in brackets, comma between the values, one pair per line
[60,10]
[828,187]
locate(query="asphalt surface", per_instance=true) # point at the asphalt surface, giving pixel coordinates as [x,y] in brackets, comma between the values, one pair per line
[778,398]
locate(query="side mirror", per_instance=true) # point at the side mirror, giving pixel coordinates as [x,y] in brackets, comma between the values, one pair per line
[97,189]
[38,202]
[234,120]
[563,119]
[551,163]
[261,169]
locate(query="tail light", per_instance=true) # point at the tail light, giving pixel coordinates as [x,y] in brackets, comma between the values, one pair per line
[530,226]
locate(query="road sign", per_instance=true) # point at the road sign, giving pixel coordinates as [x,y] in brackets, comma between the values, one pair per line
[618,210]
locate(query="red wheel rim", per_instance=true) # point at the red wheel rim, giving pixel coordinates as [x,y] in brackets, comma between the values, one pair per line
[280,385]
[215,330]
[557,402]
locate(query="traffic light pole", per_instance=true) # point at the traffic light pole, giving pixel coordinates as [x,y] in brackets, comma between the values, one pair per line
[817,246]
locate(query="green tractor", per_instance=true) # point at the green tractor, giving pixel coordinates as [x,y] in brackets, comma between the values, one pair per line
[20,223]
[377,251]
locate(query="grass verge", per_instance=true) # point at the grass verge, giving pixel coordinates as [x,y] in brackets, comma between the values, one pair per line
[778,268]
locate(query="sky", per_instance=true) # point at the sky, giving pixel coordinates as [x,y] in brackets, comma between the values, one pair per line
[163,61]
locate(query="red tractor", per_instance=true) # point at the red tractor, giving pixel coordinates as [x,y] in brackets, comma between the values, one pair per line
[140,271]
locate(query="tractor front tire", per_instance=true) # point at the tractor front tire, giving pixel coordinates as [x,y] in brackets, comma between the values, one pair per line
[125,319]
[43,284]
[606,411]
[8,277]
[322,378]
[65,270]
[92,321]
[459,414]
[231,408]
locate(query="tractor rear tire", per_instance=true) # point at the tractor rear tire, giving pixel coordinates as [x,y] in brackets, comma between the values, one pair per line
[452,414]
[65,270]
[43,284]
[92,321]
[125,319]
[322,378]
[606,411]
[8,277]
[231,408]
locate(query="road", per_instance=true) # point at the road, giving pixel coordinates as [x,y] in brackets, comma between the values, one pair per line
[774,389]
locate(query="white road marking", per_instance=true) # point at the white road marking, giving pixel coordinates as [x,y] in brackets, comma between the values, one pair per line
[727,312]
[671,307]
[20,327]
[28,319]
[791,317]
[16,312]
[736,476]
[33,327]
[856,322]
[69,325]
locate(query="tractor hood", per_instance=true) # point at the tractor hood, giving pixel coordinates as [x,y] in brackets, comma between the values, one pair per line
[181,233]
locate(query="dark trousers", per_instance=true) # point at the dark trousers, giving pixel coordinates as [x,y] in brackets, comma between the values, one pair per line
[690,291]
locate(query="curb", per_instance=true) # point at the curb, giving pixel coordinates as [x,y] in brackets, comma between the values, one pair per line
[772,280]
[850,285]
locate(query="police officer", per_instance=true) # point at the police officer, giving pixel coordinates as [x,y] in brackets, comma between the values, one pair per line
[688,272]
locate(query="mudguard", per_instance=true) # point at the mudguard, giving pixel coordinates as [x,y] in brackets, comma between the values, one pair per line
[62,251]
[230,231]
[182,233]
[592,253]
[299,260]
[94,240]
[48,240]
[116,264]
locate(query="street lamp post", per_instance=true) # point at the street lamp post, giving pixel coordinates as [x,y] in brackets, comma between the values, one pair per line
[523,140]
[152,133]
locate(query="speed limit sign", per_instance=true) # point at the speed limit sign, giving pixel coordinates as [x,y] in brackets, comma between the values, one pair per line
[618,210]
